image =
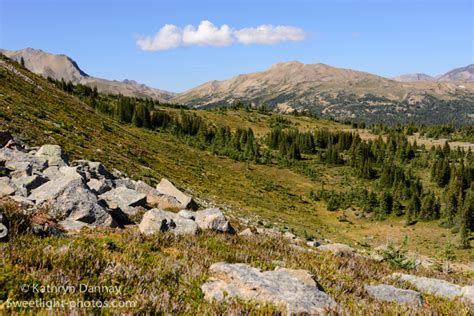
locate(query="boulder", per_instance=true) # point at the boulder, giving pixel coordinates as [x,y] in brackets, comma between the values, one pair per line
[92,169]
[67,177]
[432,286]
[68,197]
[124,199]
[22,201]
[246,232]
[72,225]
[389,293]
[124,182]
[98,186]
[292,291]
[467,293]
[20,164]
[187,214]
[29,182]
[166,187]
[53,154]
[52,172]
[6,187]
[338,249]
[156,220]
[212,218]
[313,243]
[156,199]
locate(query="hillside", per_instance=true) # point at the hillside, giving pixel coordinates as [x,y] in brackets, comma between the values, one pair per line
[414,77]
[280,195]
[63,67]
[459,74]
[343,94]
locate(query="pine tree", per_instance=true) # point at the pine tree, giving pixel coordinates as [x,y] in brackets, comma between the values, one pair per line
[465,220]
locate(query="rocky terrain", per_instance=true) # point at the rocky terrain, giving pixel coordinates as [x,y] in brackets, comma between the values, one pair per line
[65,197]
[63,67]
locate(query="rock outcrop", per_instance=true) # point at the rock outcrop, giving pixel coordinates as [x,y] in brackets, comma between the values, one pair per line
[292,291]
[83,193]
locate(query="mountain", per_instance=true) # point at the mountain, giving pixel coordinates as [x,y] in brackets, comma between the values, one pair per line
[414,77]
[59,66]
[459,74]
[344,94]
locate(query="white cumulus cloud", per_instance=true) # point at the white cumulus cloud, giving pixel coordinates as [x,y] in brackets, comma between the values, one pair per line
[268,34]
[207,34]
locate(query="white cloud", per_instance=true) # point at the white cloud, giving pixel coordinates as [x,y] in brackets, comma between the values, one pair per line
[268,34]
[168,37]
[207,34]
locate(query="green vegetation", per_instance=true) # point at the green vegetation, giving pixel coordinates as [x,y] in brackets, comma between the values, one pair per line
[163,273]
[283,169]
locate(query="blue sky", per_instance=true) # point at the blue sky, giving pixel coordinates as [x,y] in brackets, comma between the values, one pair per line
[383,37]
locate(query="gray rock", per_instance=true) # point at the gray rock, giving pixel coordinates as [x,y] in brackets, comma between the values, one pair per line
[72,225]
[156,220]
[338,249]
[67,177]
[124,198]
[124,182]
[6,187]
[313,243]
[389,293]
[68,197]
[212,218]
[144,188]
[468,296]
[53,154]
[246,232]
[98,186]
[92,169]
[289,236]
[20,163]
[432,286]
[52,172]
[293,290]
[23,201]
[3,232]
[166,187]
[187,214]
[29,182]
[156,199]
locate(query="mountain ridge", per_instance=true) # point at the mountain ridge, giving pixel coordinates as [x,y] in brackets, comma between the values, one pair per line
[343,94]
[61,66]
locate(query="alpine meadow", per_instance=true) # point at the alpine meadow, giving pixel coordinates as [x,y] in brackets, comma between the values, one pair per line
[283,188]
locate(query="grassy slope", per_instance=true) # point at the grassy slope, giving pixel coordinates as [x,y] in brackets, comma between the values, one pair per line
[164,272]
[42,114]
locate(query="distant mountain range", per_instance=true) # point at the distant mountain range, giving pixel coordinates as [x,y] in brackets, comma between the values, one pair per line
[458,74]
[63,67]
[327,91]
